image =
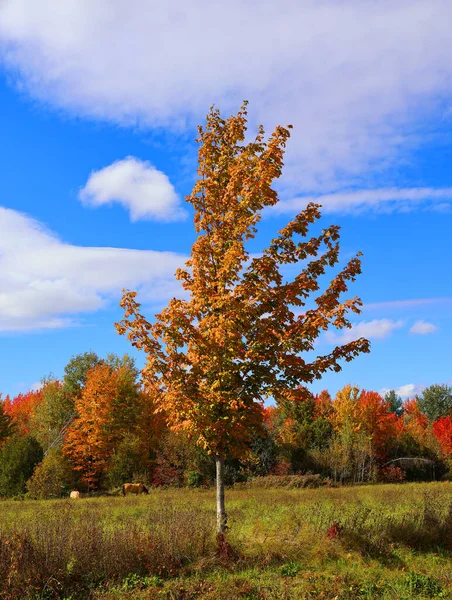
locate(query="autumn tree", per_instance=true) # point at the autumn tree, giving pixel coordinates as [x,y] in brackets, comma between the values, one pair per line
[443,432]
[106,411]
[6,423]
[239,338]
[21,409]
[52,415]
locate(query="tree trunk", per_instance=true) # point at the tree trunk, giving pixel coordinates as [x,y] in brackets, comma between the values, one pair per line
[221,511]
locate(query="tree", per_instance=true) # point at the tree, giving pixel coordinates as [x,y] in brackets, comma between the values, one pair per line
[443,432]
[53,477]
[436,401]
[76,371]
[395,402]
[18,458]
[6,423]
[53,415]
[21,409]
[239,338]
[106,412]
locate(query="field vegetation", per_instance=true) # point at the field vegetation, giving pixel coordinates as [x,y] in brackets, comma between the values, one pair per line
[379,541]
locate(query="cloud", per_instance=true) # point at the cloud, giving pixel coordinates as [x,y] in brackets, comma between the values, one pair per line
[146,192]
[45,283]
[423,328]
[35,387]
[377,329]
[403,304]
[405,391]
[354,78]
[358,201]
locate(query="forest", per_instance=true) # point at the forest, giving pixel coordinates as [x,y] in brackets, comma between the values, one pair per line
[96,428]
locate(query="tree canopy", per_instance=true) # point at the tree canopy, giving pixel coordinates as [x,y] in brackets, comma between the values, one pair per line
[244,331]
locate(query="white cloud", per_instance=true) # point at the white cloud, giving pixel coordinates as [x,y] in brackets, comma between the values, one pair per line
[405,391]
[354,78]
[423,328]
[138,186]
[358,201]
[404,304]
[35,387]
[377,329]
[46,282]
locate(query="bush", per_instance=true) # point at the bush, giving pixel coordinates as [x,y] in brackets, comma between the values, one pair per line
[194,479]
[391,474]
[53,477]
[18,458]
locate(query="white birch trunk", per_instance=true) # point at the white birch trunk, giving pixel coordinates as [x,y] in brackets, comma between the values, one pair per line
[221,511]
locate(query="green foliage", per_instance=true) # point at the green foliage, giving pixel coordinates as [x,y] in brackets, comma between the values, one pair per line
[134,581]
[436,401]
[395,402]
[176,456]
[116,362]
[321,432]
[419,584]
[18,458]
[53,477]
[290,569]
[265,452]
[194,479]
[52,415]
[76,371]
[126,462]
[349,458]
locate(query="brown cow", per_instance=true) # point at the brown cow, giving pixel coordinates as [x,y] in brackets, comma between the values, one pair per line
[134,488]
[74,494]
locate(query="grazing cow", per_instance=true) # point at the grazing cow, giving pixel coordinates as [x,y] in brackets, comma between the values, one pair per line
[134,488]
[74,494]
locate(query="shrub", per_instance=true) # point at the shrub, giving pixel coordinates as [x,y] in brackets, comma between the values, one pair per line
[53,477]
[194,478]
[391,474]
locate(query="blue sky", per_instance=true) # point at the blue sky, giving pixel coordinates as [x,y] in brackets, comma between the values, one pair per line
[99,107]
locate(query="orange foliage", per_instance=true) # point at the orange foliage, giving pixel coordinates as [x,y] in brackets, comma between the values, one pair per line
[214,358]
[102,409]
[415,422]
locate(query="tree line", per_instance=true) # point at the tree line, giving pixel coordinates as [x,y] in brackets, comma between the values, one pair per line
[97,427]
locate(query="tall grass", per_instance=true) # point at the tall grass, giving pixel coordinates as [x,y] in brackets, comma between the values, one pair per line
[52,549]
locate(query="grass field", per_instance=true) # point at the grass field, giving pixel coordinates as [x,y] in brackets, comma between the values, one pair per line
[387,541]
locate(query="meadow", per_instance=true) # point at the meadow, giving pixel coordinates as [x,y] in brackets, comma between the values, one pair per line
[380,541]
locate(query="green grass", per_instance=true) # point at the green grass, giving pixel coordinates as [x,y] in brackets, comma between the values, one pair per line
[387,541]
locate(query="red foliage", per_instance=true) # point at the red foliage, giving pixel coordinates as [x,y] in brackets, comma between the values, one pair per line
[281,467]
[375,418]
[391,474]
[323,404]
[21,409]
[334,531]
[442,428]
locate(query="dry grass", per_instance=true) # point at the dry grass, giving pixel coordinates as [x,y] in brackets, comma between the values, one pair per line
[286,542]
